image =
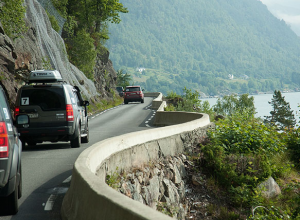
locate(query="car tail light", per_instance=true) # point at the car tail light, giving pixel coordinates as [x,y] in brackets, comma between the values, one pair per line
[70,113]
[3,140]
[17,111]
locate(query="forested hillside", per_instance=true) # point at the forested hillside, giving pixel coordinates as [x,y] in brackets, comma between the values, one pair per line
[198,43]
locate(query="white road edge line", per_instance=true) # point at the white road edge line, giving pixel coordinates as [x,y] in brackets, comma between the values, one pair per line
[50,202]
[68,179]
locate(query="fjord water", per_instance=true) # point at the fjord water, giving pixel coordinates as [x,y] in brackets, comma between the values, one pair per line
[262,106]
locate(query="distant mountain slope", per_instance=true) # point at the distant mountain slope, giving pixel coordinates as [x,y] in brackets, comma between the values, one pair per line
[198,43]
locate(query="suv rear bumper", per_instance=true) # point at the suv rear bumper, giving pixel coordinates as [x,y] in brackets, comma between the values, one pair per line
[133,99]
[62,133]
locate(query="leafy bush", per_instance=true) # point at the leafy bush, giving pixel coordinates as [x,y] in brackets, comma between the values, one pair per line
[172,95]
[54,22]
[240,134]
[240,156]
[293,144]
[232,104]
[12,17]
[189,102]
[82,53]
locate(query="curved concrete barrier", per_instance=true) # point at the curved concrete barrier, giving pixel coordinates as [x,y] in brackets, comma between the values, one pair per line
[89,197]
[156,103]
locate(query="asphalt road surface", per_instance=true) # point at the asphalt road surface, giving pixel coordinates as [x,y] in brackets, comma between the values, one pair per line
[47,168]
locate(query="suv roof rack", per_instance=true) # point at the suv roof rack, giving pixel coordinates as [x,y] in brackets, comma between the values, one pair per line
[44,76]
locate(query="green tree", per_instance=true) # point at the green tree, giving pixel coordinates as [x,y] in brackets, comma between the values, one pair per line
[106,10]
[86,29]
[12,14]
[232,104]
[60,5]
[54,22]
[123,79]
[82,53]
[282,116]
[93,15]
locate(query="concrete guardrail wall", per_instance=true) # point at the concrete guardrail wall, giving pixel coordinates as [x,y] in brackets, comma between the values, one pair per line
[89,197]
[156,103]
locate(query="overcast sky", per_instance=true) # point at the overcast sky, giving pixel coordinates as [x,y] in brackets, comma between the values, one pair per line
[288,10]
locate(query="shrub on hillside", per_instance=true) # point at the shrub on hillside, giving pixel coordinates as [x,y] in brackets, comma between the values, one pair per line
[240,133]
[240,156]
[293,144]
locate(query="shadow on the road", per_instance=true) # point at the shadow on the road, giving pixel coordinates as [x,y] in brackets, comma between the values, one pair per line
[47,146]
[33,207]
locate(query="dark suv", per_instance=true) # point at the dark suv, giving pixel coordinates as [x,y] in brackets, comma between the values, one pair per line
[56,110]
[133,94]
[10,158]
[120,91]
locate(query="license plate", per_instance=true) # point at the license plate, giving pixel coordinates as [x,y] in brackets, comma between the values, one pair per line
[34,115]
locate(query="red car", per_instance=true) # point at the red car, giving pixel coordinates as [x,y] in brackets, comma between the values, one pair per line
[133,94]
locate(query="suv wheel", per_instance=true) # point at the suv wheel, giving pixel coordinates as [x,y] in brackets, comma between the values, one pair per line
[20,184]
[142,101]
[75,143]
[125,102]
[12,202]
[86,138]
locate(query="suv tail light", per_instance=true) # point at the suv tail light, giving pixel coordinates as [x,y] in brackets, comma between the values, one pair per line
[17,111]
[3,141]
[70,113]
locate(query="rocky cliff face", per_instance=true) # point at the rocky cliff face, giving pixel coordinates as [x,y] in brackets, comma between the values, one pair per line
[40,47]
[160,185]
[105,75]
[7,65]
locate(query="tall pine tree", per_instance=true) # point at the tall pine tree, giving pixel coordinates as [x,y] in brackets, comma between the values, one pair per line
[282,116]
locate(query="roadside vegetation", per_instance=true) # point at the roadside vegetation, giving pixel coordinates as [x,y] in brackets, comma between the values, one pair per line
[12,14]
[98,106]
[86,29]
[243,151]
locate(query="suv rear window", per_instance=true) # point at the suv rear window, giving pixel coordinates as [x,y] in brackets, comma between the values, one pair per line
[133,89]
[49,99]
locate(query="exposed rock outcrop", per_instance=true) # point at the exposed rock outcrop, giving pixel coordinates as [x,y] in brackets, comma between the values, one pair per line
[270,188]
[7,66]
[160,185]
[105,75]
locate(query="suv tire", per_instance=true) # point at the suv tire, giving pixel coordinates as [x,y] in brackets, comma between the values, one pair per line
[75,143]
[12,202]
[20,192]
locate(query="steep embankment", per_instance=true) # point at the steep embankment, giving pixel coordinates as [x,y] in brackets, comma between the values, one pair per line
[41,48]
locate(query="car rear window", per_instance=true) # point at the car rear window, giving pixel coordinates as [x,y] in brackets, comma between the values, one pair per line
[133,89]
[49,99]
[119,89]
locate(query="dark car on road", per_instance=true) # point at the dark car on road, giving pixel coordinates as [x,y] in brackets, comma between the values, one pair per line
[133,94]
[120,90]
[10,158]
[56,110]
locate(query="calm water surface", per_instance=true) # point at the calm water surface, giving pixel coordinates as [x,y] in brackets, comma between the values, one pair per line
[262,106]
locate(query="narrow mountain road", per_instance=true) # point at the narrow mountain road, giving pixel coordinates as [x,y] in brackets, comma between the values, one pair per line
[47,167]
